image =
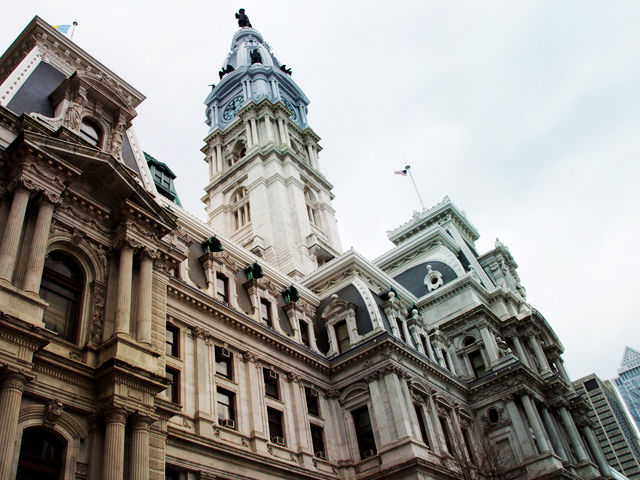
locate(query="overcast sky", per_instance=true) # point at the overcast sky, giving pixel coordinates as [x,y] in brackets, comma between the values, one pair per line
[527,114]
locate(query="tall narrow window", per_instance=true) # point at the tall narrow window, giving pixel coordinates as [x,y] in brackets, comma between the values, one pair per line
[224,362]
[445,359]
[401,331]
[276,432]
[342,335]
[173,391]
[364,433]
[40,455]
[271,383]
[172,341]
[304,333]
[421,424]
[424,341]
[265,313]
[313,406]
[226,409]
[61,286]
[317,440]
[222,288]
[241,210]
[467,444]
[445,431]
[477,364]
[312,209]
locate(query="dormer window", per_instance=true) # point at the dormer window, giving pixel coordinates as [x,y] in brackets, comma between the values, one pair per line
[90,131]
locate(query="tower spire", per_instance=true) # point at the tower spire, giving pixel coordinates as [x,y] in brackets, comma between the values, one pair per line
[265,188]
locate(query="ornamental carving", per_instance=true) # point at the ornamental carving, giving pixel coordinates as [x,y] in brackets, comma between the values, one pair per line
[53,412]
[334,392]
[250,357]
[97,315]
[14,381]
[50,198]
[294,377]
[116,416]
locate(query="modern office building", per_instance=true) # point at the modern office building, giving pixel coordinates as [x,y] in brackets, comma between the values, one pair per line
[628,382]
[612,426]
[139,343]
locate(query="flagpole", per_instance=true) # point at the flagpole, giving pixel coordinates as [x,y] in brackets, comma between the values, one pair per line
[408,168]
[75,24]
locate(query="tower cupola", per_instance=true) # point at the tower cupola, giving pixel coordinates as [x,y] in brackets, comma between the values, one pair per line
[251,72]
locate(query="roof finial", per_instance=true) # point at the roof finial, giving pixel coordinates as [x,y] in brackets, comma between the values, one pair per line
[243,20]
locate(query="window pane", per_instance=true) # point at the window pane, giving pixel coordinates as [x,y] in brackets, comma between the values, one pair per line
[342,334]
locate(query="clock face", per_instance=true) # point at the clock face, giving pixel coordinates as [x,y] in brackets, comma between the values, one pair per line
[291,108]
[232,107]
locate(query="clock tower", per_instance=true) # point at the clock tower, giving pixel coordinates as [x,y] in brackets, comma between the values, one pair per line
[265,188]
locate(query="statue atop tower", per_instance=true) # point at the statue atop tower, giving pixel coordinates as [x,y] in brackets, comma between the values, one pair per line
[243,19]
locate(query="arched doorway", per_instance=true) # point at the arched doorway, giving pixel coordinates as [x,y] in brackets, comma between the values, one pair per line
[41,454]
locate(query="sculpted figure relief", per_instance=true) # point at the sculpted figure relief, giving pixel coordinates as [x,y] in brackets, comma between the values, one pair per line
[74,113]
[243,20]
[118,140]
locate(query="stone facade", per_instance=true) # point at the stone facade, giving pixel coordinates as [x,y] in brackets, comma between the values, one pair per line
[135,343]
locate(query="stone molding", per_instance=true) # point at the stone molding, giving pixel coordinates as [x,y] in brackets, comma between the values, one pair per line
[64,421]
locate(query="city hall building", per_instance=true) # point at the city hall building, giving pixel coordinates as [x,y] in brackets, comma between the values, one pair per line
[138,342]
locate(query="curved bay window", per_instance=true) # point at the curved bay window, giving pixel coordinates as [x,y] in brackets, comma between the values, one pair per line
[61,287]
[241,210]
[90,131]
[40,455]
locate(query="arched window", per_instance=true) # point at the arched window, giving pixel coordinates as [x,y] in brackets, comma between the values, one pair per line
[90,131]
[237,153]
[468,341]
[40,455]
[241,210]
[312,209]
[61,287]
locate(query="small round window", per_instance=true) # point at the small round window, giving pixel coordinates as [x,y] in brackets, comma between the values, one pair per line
[494,416]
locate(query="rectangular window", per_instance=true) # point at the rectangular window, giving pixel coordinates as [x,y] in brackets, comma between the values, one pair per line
[222,288]
[424,345]
[265,313]
[364,433]
[317,440]
[467,444]
[173,390]
[445,432]
[224,364]
[170,474]
[313,406]
[421,424]
[276,433]
[445,359]
[271,383]
[304,333]
[172,341]
[477,364]
[342,335]
[226,409]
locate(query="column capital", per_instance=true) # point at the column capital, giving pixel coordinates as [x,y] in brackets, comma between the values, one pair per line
[141,422]
[249,356]
[23,184]
[149,253]
[13,381]
[115,415]
[127,243]
[48,198]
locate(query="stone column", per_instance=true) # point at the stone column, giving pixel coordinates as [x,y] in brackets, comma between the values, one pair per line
[453,360]
[520,351]
[537,350]
[254,375]
[490,345]
[563,373]
[439,443]
[429,353]
[212,163]
[35,262]
[254,129]
[393,382]
[603,466]
[268,128]
[143,325]
[113,459]
[553,433]
[574,437]
[11,387]
[247,127]
[296,412]
[139,453]
[11,236]
[379,410]
[312,160]
[219,158]
[522,431]
[96,447]
[538,429]
[283,135]
[123,297]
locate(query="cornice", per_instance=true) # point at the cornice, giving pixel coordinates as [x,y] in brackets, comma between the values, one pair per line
[246,325]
